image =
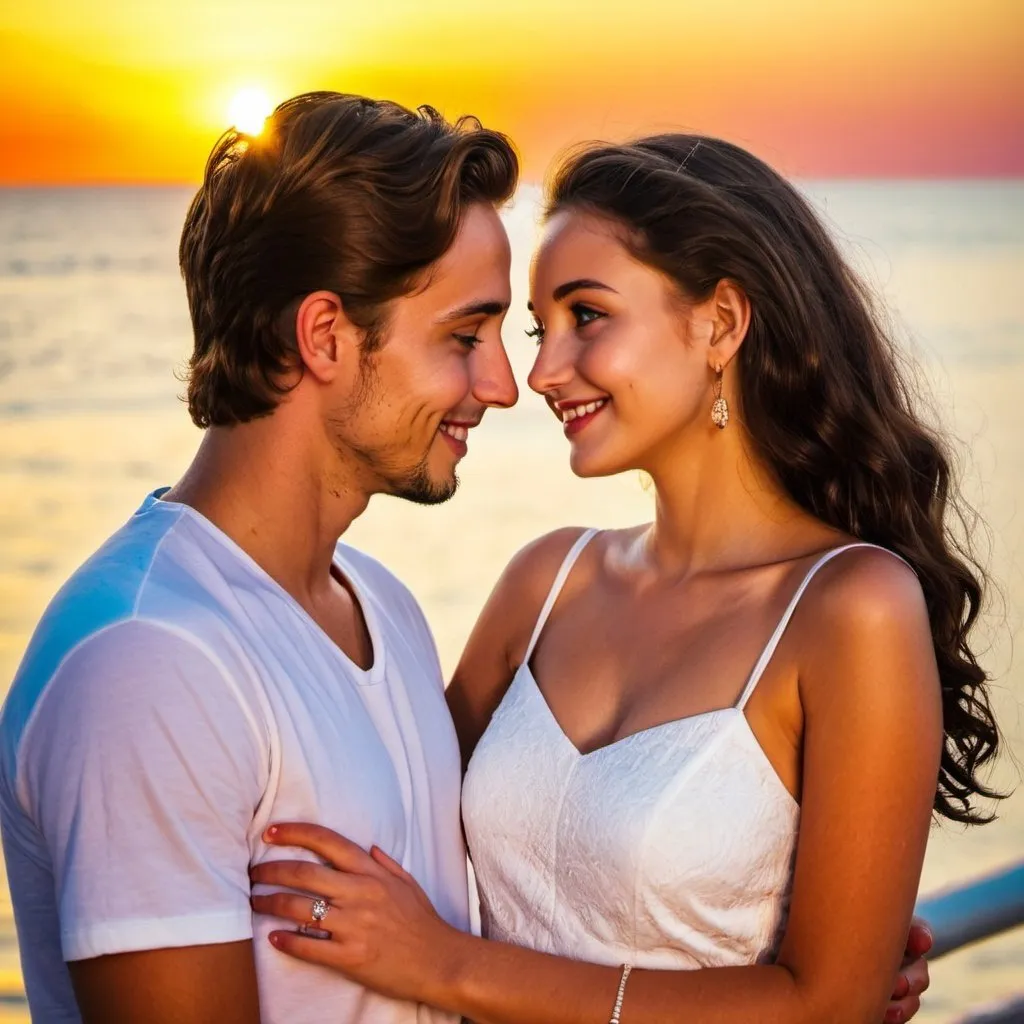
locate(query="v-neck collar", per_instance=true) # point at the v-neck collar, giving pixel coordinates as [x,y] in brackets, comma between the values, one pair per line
[344,571]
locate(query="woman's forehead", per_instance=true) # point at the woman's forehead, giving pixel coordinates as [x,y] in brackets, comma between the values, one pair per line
[573,236]
[576,244]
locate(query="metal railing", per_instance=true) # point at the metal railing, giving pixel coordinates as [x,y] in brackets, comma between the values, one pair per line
[1006,1013]
[975,911]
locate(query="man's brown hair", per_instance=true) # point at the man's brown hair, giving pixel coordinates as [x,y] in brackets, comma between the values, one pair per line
[342,193]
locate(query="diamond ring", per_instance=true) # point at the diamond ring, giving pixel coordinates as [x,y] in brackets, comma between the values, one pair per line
[317,912]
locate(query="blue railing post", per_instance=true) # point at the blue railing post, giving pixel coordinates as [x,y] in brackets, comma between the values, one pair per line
[975,911]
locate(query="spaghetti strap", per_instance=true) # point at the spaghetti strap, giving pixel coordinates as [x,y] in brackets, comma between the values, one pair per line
[556,588]
[773,642]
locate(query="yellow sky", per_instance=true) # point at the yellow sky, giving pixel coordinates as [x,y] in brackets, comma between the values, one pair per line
[116,90]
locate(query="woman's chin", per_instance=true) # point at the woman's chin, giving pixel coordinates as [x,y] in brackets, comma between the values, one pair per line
[594,464]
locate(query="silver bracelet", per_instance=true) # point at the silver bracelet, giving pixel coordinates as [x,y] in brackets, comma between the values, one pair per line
[620,995]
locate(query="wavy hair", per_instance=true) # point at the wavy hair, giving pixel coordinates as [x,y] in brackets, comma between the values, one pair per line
[343,193]
[822,389]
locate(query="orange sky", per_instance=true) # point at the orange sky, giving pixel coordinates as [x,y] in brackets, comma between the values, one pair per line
[138,90]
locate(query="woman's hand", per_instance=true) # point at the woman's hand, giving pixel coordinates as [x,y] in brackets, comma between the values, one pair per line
[913,978]
[384,933]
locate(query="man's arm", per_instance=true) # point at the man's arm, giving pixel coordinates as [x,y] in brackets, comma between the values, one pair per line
[143,771]
[193,984]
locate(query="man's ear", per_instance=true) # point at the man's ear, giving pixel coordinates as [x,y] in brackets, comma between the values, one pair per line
[325,338]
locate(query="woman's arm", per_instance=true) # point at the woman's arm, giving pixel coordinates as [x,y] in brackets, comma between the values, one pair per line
[500,637]
[871,752]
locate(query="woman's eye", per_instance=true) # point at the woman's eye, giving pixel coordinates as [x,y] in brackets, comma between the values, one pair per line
[536,332]
[585,314]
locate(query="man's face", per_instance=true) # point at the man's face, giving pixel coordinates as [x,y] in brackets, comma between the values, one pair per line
[440,364]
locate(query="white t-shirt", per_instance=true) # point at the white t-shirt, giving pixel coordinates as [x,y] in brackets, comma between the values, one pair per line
[173,702]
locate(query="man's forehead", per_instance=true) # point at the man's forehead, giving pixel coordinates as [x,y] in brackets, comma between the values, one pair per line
[481,244]
[473,276]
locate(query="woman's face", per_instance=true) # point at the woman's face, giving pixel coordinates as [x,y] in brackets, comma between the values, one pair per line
[623,360]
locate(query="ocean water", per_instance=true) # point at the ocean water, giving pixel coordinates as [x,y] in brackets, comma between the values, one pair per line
[93,326]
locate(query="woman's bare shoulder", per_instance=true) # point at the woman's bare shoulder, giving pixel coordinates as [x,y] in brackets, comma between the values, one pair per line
[865,587]
[533,568]
[502,632]
[863,617]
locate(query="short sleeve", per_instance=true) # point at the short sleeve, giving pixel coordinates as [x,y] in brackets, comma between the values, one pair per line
[143,768]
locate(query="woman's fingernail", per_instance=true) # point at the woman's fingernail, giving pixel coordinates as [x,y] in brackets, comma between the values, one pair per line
[275,939]
[271,832]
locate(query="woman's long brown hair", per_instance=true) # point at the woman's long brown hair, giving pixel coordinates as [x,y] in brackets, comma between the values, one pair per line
[822,393]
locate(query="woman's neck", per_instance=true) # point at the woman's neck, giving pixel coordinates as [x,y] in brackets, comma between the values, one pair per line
[719,507]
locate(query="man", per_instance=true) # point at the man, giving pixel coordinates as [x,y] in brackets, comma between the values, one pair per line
[222,662]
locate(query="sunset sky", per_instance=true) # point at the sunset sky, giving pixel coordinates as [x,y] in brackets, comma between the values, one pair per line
[138,90]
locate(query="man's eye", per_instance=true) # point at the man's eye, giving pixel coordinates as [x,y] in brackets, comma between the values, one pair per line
[469,340]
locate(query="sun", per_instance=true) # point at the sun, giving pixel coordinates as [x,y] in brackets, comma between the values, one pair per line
[249,110]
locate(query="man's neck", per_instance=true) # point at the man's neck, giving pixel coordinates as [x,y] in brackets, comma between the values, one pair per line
[278,490]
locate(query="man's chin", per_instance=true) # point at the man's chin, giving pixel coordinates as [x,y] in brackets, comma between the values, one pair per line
[422,490]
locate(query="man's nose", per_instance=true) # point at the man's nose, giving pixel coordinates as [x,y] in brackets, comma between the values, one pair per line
[493,381]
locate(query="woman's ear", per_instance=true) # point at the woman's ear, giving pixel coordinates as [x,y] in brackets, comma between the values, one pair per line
[730,309]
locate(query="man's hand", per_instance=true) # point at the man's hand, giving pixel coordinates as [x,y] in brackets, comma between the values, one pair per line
[913,978]
[199,984]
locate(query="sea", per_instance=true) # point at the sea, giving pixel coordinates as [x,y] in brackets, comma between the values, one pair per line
[94,334]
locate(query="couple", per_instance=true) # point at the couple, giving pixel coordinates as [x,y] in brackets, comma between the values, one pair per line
[701,756]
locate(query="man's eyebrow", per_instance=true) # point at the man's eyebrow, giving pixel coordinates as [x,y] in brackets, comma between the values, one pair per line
[571,286]
[486,307]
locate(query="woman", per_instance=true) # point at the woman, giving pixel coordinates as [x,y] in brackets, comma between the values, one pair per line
[702,754]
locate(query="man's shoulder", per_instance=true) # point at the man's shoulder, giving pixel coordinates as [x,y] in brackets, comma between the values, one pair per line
[103,591]
[129,611]
[153,568]
[107,587]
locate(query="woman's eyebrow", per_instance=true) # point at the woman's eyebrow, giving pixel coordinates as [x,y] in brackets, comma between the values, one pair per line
[571,286]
